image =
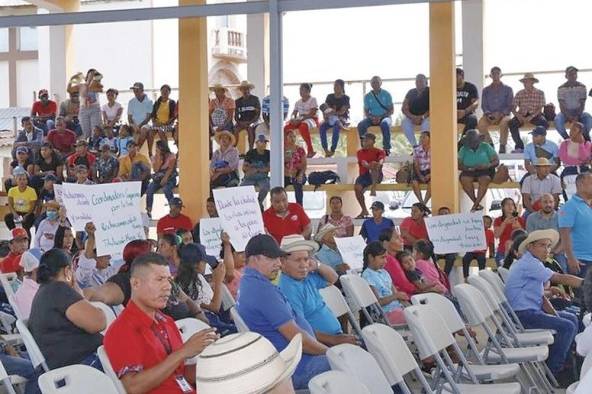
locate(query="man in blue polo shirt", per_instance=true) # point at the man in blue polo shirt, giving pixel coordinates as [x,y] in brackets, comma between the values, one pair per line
[575,226]
[301,279]
[372,227]
[266,310]
[378,108]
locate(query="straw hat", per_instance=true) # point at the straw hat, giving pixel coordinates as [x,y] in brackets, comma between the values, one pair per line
[246,84]
[327,228]
[297,243]
[538,235]
[528,76]
[245,363]
[217,86]
[542,162]
[219,135]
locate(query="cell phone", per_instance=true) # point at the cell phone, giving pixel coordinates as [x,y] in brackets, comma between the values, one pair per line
[515,214]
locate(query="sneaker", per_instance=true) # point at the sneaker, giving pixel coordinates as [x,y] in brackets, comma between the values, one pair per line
[502,149]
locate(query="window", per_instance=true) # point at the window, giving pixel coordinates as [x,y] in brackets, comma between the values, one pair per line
[4,40]
[27,39]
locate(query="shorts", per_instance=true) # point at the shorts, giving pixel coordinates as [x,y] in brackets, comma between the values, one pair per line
[414,176]
[475,174]
[366,179]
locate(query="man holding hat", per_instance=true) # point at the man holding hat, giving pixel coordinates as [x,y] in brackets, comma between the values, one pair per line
[525,288]
[540,147]
[302,278]
[175,220]
[527,109]
[370,161]
[18,245]
[23,297]
[139,109]
[224,163]
[542,182]
[247,112]
[372,227]
[44,111]
[572,101]
[266,310]
[256,167]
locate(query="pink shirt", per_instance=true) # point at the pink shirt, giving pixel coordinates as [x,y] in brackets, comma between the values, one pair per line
[574,154]
[430,273]
[233,285]
[23,298]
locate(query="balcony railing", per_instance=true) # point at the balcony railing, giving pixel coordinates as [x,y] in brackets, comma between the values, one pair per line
[230,44]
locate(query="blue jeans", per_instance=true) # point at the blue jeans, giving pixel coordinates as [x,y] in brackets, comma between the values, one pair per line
[259,180]
[334,137]
[385,128]
[566,326]
[409,129]
[585,118]
[93,361]
[153,187]
[298,189]
[309,367]
[21,367]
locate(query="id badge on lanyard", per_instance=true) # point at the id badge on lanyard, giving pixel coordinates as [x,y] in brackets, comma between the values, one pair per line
[183,384]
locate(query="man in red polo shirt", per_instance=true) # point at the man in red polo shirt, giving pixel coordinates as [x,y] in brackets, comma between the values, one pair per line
[44,111]
[61,138]
[144,345]
[175,220]
[284,218]
[18,245]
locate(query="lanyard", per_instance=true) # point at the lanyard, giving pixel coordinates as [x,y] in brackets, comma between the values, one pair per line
[163,337]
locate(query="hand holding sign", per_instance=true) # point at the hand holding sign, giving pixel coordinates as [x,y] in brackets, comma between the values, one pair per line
[210,230]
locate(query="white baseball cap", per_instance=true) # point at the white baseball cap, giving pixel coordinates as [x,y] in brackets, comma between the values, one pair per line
[30,259]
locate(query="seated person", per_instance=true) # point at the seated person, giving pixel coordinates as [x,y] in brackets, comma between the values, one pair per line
[21,202]
[221,110]
[423,253]
[45,233]
[61,138]
[540,147]
[370,161]
[378,109]
[393,243]
[81,157]
[275,319]
[336,115]
[575,152]
[572,102]
[304,117]
[302,278]
[343,223]
[449,258]
[94,141]
[247,112]
[65,326]
[122,140]
[143,344]
[416,276]
[45,110]
[22,161]
[328,253]
[372,227]
[164,164]
[279,220]
[416,109]
[48,163]
[175,220]
[536,185]
[381,284]
[107,165]
[163,118]
[256,167]
[525,292]
[467,101]
[295,162]
[81,174]
[17,246]
[29,137]
[23,297]
[134,166]
[496,103]
[477,162]
[527,109]
[422,164]
[413,228]
[93,270]
[480,255]
[224,163]
[69,110]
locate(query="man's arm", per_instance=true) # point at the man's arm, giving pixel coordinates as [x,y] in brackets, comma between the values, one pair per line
[572,262]
[566,279]
[327,273]
[307,231]
[309,345]
[526,200]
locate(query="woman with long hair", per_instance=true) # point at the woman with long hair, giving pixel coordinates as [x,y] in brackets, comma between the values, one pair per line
[336,112]
[64,240]
[505,225]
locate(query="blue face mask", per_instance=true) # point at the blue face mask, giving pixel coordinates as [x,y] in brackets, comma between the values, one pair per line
[52,215]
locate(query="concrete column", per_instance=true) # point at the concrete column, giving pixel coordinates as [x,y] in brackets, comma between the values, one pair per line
[258,52]
[472,41]
[445,184]
[194,179]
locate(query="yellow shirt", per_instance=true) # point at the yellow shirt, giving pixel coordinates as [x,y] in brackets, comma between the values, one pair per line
[162,115]
[23,202]
[125,164]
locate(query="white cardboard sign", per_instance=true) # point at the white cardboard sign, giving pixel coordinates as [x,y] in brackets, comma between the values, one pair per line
[352,250]
[457,233]
[210,231]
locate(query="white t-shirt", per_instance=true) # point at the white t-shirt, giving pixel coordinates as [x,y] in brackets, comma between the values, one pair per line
[207,293]
[111,111]
[304,108]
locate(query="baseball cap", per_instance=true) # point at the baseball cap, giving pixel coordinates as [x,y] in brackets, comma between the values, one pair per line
[50,177]
[43,92]
[19,232]
[377,205]
[539,130]
[262,137]
[571,68]
[196,252]
[177,202]
[137,85]
[263,244]
[21,149]
[19,171]
[30,259]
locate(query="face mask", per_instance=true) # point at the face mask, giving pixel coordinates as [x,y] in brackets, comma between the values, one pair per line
[52,215]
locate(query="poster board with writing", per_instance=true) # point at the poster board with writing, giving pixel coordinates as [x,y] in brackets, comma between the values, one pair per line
[240,214]
[352,251]
[457,233]
[210,231]
[57,189]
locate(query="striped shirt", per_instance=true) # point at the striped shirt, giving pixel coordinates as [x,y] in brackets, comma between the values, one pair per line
[423,157]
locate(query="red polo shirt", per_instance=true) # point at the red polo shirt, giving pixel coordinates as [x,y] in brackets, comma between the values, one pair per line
[62,141]
[418,230]
[369,155]
[136,342]
[45,110]
[11,263]
[169,224]
[293,223]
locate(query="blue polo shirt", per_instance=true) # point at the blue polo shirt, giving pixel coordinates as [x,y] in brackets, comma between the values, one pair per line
[576,215]
[305,299]
[328,256]
[549,146]
[373,107]
[371,230]
[525,283]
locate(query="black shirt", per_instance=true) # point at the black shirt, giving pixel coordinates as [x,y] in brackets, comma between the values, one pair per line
[248,108]
[52,165]
[257,159]
[61,341]
[122,280]
[419,103]
[338,103]
[46,195]
[465,95]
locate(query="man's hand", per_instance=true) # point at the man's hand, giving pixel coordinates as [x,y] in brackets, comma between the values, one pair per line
[573,265]
[345,338]
[342,268]
[198,342]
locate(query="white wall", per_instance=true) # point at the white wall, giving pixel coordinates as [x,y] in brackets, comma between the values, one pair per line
[27,77]
[4,99]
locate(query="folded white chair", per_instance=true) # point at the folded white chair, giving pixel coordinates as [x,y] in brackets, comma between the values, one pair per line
[356,362]
[227,298]
[76,379]
[240,324]
[108,368]
[503,273]
[109,314]
[336,382]
[37,358]
[425,323]
[190,326]
[338,305]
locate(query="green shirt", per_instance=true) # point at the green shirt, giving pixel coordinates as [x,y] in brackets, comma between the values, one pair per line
[481,156]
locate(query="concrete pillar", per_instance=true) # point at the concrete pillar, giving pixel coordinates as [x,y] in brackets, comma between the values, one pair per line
[258,52]
[445,184]
[472,41]
[194,178]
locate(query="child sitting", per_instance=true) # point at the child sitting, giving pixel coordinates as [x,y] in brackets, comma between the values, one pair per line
[94,141]
[122,141]
[416,276]
[381,284]
[480,255]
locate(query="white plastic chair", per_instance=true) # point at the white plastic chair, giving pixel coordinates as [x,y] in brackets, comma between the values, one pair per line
[336,382]
[240,324]
[190,326]
[108,368]
[227,298]
[356,362]
[426,325]
[118,309]
[503,273]
[7,280]
[37,358]
[77,379]
[389,349]
[338,305]
[109,314]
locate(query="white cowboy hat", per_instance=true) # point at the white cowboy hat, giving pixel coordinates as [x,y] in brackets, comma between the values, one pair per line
[528,76]
[327,228]
[217,86]
[219,135]
[246,84]
[297,243]
[245,363]
[538,235]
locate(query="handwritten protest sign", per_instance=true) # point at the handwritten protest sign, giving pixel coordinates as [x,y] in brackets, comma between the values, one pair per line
[210,230]
[114,208]
[457,233]
[57,189]
[238,209]
[352,250]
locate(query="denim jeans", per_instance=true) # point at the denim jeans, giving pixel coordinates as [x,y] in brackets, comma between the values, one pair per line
[89,117]
[409,129]
[153,187]
[334,137]
[309,367]
[514,126]
[385,128]
[585,118]
[92,360]
[21,367]
[469,257]
[259,180]
[566,326]
[298,190]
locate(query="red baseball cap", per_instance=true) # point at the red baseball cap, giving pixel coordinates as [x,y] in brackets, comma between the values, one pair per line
[19,232]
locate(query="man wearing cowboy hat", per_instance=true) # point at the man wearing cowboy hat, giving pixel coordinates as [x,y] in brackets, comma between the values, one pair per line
[572,101]
[247,112]
[221,109]
[302,278]
[328,253]
[224,163]
[542,182]
[525,287]
[266,310]
[527,109]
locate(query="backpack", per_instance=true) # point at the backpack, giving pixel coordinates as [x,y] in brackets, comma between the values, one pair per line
[318,178]
[405,172]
